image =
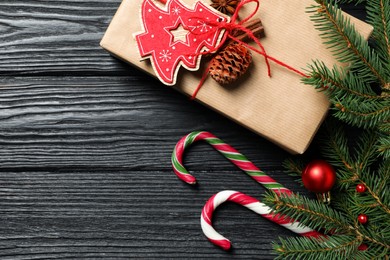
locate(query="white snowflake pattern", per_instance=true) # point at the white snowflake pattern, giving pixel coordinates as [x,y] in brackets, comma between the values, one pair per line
[165,55]
[204,27]
[176,10]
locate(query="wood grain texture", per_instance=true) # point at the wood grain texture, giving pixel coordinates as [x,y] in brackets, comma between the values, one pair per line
[85,145]
[56,37]
[107,122]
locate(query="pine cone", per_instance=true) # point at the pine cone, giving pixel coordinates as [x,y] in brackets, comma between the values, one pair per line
[230,63]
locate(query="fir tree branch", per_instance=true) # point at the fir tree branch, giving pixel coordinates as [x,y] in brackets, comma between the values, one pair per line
[338,83]
[378,15]
[349,180]
[384,146]
[366,149]
[347,44]
[363,114]
[358,104]
[385,26]
[309,212]
[374,241]
[335,146]
[362,236]
[294,168]
[335,247]
[351,92]
[374,195]
[372,253]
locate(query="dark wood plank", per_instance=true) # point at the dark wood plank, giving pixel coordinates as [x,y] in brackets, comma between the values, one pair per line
[58,38]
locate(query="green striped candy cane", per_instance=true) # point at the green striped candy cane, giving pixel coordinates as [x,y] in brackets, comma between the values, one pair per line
[229,152]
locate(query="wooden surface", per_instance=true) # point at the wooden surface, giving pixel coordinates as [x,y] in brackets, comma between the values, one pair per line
[85,145]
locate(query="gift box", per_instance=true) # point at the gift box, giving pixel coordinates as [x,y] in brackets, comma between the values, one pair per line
[280,108]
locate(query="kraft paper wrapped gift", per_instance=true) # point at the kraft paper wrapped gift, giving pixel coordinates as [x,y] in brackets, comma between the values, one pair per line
[280,108]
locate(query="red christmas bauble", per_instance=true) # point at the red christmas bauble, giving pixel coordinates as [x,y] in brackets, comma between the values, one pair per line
[319,176]
[361,188]
[363,219]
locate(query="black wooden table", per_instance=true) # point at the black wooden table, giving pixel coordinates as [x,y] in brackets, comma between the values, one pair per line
[85,145]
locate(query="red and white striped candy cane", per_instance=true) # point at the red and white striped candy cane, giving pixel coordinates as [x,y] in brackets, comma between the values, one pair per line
[254,205]
[229,152]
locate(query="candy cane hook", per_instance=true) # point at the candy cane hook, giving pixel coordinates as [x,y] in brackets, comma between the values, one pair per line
[252,204]
[229,152]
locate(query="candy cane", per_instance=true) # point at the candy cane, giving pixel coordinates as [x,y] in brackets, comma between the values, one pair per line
[254,205]
[229,152]
[248,167]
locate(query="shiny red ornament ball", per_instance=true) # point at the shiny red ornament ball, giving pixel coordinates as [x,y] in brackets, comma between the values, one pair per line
[361,188]
[363,247]
[319,176]
[363,219]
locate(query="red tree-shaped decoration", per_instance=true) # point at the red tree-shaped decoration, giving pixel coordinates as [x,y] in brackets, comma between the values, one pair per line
[176,35]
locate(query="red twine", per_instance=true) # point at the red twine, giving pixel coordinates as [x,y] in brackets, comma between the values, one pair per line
[231,26]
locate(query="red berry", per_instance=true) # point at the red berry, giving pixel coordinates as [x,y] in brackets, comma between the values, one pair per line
[363,247]
[361,188]
[363,219]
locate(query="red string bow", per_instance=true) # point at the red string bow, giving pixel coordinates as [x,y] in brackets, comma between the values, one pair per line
[237,25]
